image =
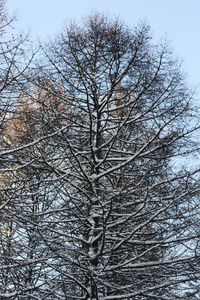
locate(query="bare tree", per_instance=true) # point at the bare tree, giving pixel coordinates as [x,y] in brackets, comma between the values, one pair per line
[115,149]
[129,212]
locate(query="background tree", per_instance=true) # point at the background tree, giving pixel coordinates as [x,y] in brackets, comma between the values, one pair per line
[14,60]
[27,185]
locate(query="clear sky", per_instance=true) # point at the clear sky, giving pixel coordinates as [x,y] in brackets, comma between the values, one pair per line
[178,19]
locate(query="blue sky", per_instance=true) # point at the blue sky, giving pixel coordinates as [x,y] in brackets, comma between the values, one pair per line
[179,20]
